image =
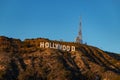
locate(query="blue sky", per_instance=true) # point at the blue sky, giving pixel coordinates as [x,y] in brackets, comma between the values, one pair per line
[59,19]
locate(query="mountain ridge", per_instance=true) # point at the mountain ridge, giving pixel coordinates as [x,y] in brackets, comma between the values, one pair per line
[25,60]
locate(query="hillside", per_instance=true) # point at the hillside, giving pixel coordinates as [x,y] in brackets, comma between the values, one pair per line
[25,60]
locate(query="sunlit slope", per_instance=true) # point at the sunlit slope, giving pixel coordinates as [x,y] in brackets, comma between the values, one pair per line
[25,60]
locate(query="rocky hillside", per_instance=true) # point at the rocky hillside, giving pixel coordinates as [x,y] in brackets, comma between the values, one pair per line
[25,60]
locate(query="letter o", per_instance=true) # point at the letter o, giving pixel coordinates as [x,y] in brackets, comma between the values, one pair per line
[47,45]
[64,47]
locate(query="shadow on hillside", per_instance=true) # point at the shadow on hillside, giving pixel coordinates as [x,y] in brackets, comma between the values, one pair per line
[113,55]
[115,69]
[100,60]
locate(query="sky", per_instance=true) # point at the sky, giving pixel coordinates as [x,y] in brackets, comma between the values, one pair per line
[59,19]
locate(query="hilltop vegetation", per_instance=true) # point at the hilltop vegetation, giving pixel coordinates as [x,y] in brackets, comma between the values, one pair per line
[25,60]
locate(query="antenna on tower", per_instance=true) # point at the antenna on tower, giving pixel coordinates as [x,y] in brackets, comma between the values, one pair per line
[79,37]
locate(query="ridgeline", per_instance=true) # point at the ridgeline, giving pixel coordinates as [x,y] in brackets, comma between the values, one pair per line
[25,60]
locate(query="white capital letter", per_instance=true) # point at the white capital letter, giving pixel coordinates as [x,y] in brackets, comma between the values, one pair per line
[41,44]
[68,48]
[72,48]
[47,45]
[64,47]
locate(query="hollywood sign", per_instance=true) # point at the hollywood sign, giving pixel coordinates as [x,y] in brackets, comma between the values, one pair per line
[57,46]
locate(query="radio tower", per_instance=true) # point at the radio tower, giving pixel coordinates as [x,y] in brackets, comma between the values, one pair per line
[79,37]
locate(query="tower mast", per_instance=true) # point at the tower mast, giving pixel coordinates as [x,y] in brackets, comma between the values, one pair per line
[79,37]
